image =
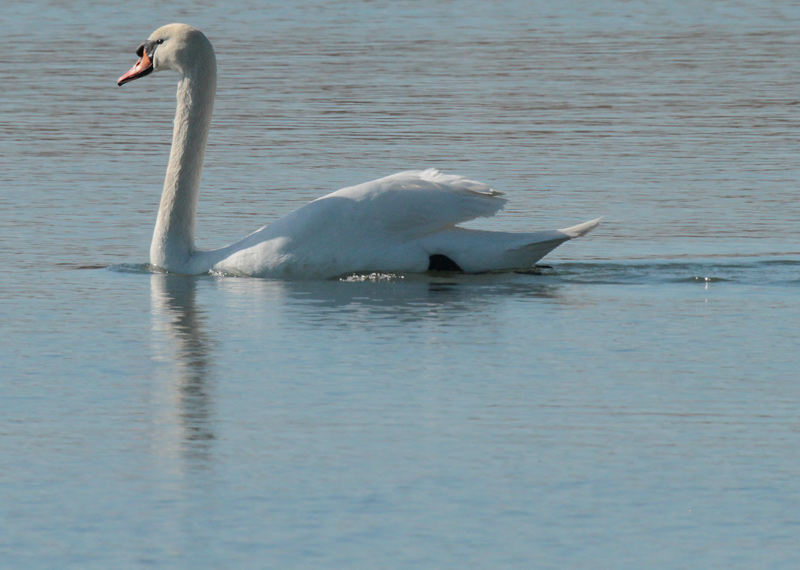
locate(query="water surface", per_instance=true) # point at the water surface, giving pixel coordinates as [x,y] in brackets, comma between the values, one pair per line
[634,405]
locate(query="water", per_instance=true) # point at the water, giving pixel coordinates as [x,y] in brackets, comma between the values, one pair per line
[633,406]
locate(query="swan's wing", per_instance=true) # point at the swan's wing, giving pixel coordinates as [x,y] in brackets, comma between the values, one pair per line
[391,224]
[375,225]
[417,202]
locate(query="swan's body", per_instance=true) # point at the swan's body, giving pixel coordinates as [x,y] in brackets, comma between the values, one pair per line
[406,222]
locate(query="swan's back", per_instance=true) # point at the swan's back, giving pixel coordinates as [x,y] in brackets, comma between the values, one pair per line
[417,202]
[405,222]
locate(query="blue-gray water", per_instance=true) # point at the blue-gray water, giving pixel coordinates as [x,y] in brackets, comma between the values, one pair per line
[635,406]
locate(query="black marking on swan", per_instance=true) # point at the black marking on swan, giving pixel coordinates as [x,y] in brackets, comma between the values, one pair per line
[439,262]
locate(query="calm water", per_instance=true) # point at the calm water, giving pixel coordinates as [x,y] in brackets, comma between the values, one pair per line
[634,406]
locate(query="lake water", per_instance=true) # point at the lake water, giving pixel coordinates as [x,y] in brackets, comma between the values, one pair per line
[633,406]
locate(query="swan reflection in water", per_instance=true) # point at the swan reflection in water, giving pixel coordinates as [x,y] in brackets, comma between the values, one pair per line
[184,342]
[183,346]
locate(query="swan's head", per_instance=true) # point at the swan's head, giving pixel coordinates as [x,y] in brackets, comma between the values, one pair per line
[178,47]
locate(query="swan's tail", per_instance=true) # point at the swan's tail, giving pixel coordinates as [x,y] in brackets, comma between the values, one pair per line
[581,229]
[476,251]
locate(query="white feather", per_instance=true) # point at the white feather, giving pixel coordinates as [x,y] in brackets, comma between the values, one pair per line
[393,224]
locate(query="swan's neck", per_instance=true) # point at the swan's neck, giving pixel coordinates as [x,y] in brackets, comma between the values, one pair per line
[173,239]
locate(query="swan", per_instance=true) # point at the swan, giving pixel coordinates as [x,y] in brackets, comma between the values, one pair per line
[405,223]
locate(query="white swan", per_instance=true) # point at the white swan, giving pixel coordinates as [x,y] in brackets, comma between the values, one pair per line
[406,222]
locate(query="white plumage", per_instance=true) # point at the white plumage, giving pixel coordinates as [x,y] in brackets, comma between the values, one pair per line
[400,223]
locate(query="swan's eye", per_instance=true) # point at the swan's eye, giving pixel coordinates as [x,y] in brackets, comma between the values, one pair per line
[148,46]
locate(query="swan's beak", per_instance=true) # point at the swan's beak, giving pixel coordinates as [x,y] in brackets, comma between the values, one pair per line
[143,67]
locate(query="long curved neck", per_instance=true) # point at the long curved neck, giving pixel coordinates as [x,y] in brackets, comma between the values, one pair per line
[173,238]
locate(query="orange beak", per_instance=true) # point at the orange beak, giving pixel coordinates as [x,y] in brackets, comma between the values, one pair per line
[142,68]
